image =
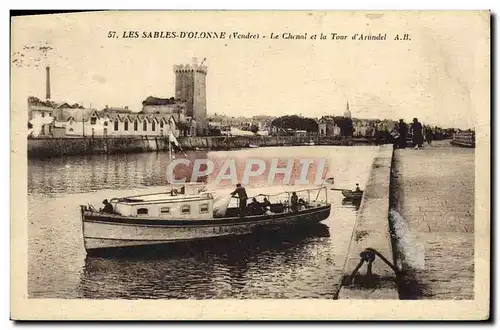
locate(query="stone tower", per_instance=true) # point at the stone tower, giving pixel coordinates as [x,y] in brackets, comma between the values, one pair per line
[190,86]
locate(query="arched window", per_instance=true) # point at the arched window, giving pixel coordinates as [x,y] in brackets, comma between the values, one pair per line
[145,125]
[135,125]
[153,125]
[142,211]
[125,125]
[116,124]
[161,123]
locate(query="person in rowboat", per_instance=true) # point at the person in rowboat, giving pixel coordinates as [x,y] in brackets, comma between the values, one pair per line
[242,196]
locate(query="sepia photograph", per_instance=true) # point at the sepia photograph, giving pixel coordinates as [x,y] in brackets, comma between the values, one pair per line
[250,165]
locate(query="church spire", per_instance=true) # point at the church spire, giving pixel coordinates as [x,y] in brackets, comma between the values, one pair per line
[347,112]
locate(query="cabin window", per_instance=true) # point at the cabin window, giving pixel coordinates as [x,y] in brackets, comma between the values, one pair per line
[105,123]
[142,211]
[50,114]
[186,209]
[93,120]
[116,125]
[71,130]
[204,208]
[125,126]
[153,126]
[165,210]
[135,125]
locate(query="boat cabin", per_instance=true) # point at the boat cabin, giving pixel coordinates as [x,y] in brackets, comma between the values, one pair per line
[186,201]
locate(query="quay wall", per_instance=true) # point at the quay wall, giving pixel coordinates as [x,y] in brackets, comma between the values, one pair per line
[372,230]
[54,147]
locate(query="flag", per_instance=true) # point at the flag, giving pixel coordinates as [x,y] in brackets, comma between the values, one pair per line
[172,139]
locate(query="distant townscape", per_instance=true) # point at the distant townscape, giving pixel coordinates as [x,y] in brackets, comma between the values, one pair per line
[185,115]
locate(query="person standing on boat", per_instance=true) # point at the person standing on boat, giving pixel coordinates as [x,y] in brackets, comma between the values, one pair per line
[108,208]
[357,187]
[242,195]
[294,200]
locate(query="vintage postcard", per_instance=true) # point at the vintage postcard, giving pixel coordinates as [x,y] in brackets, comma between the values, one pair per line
[250,165]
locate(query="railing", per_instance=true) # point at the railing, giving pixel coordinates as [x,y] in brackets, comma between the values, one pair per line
[464,139]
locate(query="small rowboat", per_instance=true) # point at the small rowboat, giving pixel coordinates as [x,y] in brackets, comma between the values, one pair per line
[352,194]
[190,214]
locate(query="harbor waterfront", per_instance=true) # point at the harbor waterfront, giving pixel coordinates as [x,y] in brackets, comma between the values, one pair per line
[406,231]
[53,147]
[305,264]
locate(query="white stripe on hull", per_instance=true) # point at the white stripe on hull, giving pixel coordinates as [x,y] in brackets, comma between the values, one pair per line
[103,243]
[99,235]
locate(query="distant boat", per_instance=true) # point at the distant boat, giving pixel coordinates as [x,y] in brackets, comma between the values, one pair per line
[330,180]
[352,194]
[310,143]
[253,146]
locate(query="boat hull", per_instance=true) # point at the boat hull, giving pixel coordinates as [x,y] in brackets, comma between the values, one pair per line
[352,194]
[102,231]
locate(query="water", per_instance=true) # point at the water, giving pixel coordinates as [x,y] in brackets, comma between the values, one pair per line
[280,265]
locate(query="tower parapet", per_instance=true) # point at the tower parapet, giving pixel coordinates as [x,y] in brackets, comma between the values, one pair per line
[190,68]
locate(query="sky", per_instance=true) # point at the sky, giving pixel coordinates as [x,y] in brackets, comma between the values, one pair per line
[440,76]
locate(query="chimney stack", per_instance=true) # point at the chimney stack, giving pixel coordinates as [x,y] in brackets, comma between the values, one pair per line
[47,86]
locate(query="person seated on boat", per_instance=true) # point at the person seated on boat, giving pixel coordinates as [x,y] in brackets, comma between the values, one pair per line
[255,207]
[302,203]
[294,200]
[357,187]
[242,195]
[108,208]
[267,210]
[266,203]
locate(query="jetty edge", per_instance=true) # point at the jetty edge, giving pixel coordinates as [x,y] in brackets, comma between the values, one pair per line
[371,239]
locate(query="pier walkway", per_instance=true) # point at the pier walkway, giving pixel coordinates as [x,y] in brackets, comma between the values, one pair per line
[433,190]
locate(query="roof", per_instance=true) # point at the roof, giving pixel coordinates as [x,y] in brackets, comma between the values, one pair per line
[66,114]
[32,100]
[152,100]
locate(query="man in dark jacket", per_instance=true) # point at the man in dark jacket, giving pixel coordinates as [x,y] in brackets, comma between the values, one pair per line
[242,195]
[403,132]
[108,208]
